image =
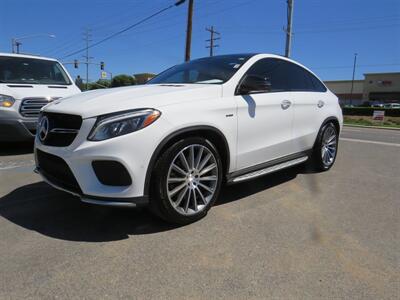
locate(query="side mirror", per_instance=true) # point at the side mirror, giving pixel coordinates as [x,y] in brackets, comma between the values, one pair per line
[253,84]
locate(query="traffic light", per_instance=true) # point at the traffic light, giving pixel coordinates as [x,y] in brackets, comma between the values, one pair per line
[177,3]
[75,63]
[102,65]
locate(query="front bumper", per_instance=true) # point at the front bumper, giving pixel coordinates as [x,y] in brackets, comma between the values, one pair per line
[17,130]
[116,202]
[133,151]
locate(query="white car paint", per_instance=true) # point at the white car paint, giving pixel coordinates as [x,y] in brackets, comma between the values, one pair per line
[255,127]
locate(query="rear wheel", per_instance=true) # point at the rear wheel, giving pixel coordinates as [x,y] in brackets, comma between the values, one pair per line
[325,148]
[186,181]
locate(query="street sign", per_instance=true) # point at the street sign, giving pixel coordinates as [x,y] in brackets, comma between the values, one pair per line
[378,115]
[103,75]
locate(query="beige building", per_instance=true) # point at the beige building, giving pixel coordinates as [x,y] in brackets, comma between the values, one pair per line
[375,88]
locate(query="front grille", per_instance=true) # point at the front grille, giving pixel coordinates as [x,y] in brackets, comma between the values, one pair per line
[63,129]
[56,170]
[30,107]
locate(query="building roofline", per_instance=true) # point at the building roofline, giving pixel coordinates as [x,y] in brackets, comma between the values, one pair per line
[383,73]
[339,81]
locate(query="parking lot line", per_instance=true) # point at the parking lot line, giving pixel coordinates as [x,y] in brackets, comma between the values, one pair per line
[370,142]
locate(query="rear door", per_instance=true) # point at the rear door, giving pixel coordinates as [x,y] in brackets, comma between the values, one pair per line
[265,119]
[309,100]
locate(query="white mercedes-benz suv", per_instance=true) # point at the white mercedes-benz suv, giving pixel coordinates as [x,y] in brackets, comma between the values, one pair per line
[171,143]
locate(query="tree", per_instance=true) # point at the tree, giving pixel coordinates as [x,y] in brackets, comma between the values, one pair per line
[122,80]
[100,84]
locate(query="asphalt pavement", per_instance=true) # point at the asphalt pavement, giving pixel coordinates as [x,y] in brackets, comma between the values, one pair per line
[290,235]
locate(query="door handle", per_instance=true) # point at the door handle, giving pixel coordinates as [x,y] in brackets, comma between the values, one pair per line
[320,103]
[286,104]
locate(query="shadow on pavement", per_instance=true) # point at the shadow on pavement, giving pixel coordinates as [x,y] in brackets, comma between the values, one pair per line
[56,214]
[15,148]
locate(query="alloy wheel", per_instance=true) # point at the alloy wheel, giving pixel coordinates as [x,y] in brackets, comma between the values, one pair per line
[192,179]
[329,146]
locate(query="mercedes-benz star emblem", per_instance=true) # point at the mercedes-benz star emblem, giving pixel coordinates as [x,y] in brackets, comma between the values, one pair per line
[43,128]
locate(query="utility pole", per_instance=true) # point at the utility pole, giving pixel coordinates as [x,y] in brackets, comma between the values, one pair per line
[87,36]
[352,80]
[189,31]
[212,39]
[289,28]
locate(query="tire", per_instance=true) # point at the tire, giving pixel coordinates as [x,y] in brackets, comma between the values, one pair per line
[325,148]
[183,192]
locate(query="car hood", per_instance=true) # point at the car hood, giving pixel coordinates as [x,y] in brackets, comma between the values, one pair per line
[104,101]
[20,91]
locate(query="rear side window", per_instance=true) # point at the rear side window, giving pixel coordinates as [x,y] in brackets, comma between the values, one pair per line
[298,79]
[318,85]
[286,76]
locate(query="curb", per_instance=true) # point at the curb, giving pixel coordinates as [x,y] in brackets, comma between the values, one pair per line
[373,127]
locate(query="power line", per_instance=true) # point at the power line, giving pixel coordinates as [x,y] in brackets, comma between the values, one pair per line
[125,29]
[212,39]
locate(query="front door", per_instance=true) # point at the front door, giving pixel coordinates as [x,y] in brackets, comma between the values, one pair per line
[265,119]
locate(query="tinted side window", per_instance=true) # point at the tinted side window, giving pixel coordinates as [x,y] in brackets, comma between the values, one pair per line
[274,70]
[318,86]
[286,76]
[302,80]
[298,79]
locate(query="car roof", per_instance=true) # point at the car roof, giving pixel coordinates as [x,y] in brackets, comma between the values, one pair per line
[26,56]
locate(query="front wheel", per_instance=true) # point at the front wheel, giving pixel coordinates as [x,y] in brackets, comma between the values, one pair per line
[186,181]
[325,148]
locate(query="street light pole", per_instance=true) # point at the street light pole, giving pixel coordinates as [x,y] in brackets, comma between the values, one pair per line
[15,42]
[352,80]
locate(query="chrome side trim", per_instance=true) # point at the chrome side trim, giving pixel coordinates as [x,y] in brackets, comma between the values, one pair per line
[271,169]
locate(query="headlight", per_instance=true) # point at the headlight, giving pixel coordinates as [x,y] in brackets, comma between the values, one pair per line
[6,101]
[121,123]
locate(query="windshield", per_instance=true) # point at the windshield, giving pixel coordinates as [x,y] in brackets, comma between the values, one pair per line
[210,70]
[31,71]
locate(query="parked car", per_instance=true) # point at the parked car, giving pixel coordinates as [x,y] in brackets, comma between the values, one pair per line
[392,105]
[378,105]
[27,83]
[172,143]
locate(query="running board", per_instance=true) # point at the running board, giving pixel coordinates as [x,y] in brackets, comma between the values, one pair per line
[271,169]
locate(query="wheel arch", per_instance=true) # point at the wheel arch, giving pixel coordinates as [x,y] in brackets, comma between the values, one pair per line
[331,119]
[209,132]
[334,120]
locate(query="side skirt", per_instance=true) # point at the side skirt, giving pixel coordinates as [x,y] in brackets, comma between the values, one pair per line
[268,167]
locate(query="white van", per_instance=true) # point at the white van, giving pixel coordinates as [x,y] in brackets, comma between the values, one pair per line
[27,83]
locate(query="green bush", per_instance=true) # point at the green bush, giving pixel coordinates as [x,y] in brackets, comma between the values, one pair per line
[100,84]
[369,111]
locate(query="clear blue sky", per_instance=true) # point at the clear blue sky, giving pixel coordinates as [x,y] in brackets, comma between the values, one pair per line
[326,33]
